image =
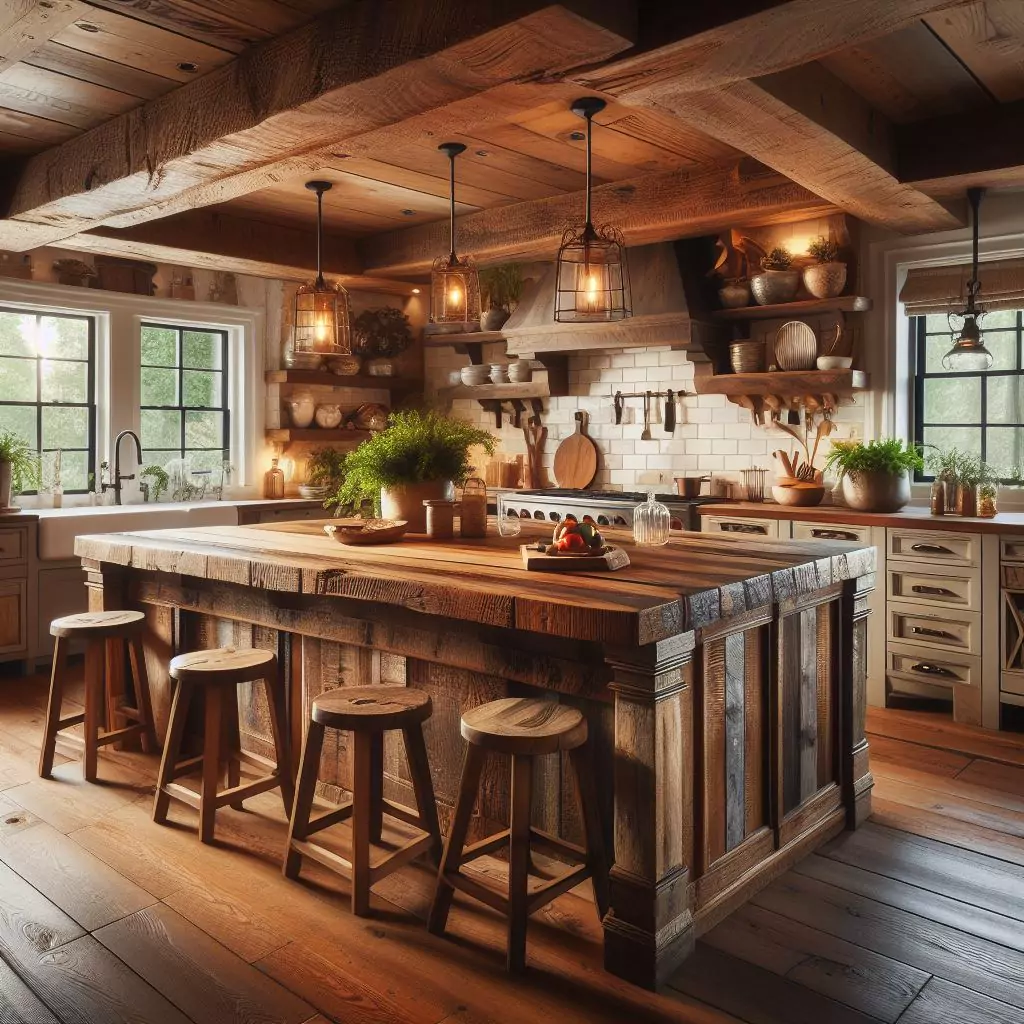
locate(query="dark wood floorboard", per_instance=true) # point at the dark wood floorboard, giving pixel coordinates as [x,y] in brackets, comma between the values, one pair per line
[944,1003]
[18,1003]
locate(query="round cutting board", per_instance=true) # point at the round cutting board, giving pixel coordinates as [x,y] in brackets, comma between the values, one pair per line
[576,458]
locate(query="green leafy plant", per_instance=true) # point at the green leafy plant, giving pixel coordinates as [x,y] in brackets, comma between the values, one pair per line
[325,467]
[415,448]
[161,481]
[501,286]
[823,250]
[955,466]
[26,471]
[778,259]
[381,332]
[890,455]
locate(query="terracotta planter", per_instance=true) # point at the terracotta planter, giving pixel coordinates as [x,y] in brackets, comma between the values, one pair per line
[5,485]
[493,319]
[407,502]
[876,492]
[772,287]
[825,280]
[735,295]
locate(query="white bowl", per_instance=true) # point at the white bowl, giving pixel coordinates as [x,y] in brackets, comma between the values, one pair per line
[475,375]
[835,362]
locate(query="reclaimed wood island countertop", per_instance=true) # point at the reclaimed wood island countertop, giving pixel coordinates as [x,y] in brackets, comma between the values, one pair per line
[722,680]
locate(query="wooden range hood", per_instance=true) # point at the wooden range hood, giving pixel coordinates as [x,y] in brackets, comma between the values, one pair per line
[661,312]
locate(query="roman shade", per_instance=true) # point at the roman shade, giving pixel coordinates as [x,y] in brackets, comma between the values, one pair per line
[942,289]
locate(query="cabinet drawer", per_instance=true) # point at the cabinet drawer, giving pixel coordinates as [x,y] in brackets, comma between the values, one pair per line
[285,515]
[931,546]
[750,527]
[948,630]
[934,590]
[1011,549]
[13,544]
[1012,682]
[830,531]
[13,616]
[915,664]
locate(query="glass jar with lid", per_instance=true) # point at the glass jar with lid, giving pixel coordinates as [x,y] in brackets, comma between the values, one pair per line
[651,522]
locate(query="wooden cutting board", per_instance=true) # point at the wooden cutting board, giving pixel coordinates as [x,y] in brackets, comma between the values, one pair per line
[540,561]
[575,458]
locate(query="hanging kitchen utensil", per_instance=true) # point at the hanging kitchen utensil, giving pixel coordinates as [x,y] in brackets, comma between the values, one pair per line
[646,435]
[670,412]
[575,458]
[796,346]
[618,406]
[534,435]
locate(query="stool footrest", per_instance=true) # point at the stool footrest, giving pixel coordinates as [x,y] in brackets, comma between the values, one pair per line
[478,890]
[542,838]
[322,855]
[256,760]
[66,723]
[485,846]
[402,856]
[335,817]
[406,814]
[546,893]
[246,790]
[187,766]
[183,793]
[119,734]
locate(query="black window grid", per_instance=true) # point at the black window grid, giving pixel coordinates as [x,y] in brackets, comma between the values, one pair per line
[89,405]
[181,369]
[919,336]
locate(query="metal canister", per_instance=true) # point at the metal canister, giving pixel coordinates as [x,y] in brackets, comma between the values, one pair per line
[440,518]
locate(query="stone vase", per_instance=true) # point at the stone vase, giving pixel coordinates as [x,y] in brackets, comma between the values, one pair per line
[825,280]
[876,492]
[772,287]
[734,295]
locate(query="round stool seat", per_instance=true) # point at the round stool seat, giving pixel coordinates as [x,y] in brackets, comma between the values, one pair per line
[98,624]
[222,666]
[523,725]
[371,708]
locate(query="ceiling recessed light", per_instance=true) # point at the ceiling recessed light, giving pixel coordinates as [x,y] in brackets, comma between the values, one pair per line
[415,291]
[577,136]
[408,213]
[187,65]
[483,152]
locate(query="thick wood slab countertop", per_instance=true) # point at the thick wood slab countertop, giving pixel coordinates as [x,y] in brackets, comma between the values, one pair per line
[915,517]
[695,581]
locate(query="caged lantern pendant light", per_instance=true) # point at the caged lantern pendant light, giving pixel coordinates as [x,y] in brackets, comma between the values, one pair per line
[969,354]
[454,282]
[322,315]
[592,282]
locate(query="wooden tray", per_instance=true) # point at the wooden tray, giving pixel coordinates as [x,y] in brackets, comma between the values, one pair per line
[534,560]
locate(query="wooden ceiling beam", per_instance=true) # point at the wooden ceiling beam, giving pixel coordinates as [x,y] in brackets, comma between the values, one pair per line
[653,208]
[347,73]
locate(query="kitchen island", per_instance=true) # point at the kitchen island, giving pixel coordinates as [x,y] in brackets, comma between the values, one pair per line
[722,679]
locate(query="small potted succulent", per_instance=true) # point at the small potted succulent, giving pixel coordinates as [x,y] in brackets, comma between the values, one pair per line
[501,288]
[875,477]
[20,468]
[778,281]
[826,277]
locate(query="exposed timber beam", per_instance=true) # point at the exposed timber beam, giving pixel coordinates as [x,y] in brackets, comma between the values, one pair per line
[781,35]
[26,24]
[652,208]
[271,112]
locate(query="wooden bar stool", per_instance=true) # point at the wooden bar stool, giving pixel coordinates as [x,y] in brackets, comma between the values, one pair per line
[218,673]
[524,728]
[105,634]
[367,712]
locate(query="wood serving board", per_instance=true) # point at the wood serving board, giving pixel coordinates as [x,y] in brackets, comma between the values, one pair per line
[575,459]
[539,561]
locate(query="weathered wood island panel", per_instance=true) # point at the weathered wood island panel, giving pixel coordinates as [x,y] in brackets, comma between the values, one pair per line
[723,680]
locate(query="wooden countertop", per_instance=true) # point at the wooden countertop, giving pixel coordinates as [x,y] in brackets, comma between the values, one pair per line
[695,581]
[915,517]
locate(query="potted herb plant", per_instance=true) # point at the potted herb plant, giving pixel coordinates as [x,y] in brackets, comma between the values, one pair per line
[19,467]
[160,483]
[418,457]
[325,471]
[381,334]
[875,476]
[501,287]
[826,277]
[778,281]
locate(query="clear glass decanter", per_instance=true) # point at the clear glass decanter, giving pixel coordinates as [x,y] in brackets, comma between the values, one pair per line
[651,522]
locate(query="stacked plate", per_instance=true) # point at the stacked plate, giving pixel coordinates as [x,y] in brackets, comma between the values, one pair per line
[474,375]
[520,371]
[499,373]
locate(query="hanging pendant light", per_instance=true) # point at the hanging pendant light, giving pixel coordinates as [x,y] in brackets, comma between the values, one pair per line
[322,315]
[454,283]
[969,354]
[592,283]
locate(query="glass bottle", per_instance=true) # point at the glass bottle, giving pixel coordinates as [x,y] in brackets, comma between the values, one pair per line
[273,482]
[651,522]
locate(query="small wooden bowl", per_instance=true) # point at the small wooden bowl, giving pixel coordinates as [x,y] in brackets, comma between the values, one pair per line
[367,531]
[798,494]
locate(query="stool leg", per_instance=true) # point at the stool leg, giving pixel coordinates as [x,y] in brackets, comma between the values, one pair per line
[172,750]
[95,660]
[452,856]
[376,795]
[519,860]
[140,681]
[232,743]
[589,809]
[114,687]
[309,768]
[423,786]
[212,732]
[282,747]
[362,820]
[53,706]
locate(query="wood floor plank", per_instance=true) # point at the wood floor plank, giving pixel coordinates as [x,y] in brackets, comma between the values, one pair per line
[1002,778]
[943,763]
[77,882]
[933,948]
[929,905]
[939,731]
[18,1003]
[19,761]
[820,961]
[970,877]
[29,923]
[82,981]
[756,995]
[202,978]
[944,1003]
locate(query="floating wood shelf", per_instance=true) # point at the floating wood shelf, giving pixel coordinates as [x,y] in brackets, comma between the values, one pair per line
[337,380]
[291,435]
[539,388]
[810,307]
[551,382]
[783,382]
[468,344]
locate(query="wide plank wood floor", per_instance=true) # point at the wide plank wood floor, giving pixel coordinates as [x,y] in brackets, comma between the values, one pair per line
[917,918]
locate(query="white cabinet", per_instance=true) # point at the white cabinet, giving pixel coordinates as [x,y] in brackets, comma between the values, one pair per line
[767,528]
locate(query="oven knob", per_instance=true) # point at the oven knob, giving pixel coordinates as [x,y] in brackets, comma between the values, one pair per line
[554,516]
[619,521]
[602,520]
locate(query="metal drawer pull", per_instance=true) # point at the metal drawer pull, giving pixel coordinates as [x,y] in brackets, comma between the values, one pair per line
[931,549]
[834,535]
[934,591]
[932,670]
[925,631]
[744,528]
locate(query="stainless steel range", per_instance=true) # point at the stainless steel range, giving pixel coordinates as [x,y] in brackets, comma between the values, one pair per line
[609,508]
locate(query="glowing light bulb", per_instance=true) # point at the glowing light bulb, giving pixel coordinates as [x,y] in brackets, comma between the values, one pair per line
[455,296]
[320,331]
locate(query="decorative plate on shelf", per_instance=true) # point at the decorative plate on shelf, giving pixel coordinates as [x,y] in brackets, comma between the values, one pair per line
[796,346]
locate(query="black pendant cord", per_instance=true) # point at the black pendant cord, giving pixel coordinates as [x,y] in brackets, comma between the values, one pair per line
[451,195]
[589,227]
[974,197]
[586,107]
[319,237]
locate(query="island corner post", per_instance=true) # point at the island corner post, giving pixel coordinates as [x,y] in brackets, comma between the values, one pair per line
[723,682]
